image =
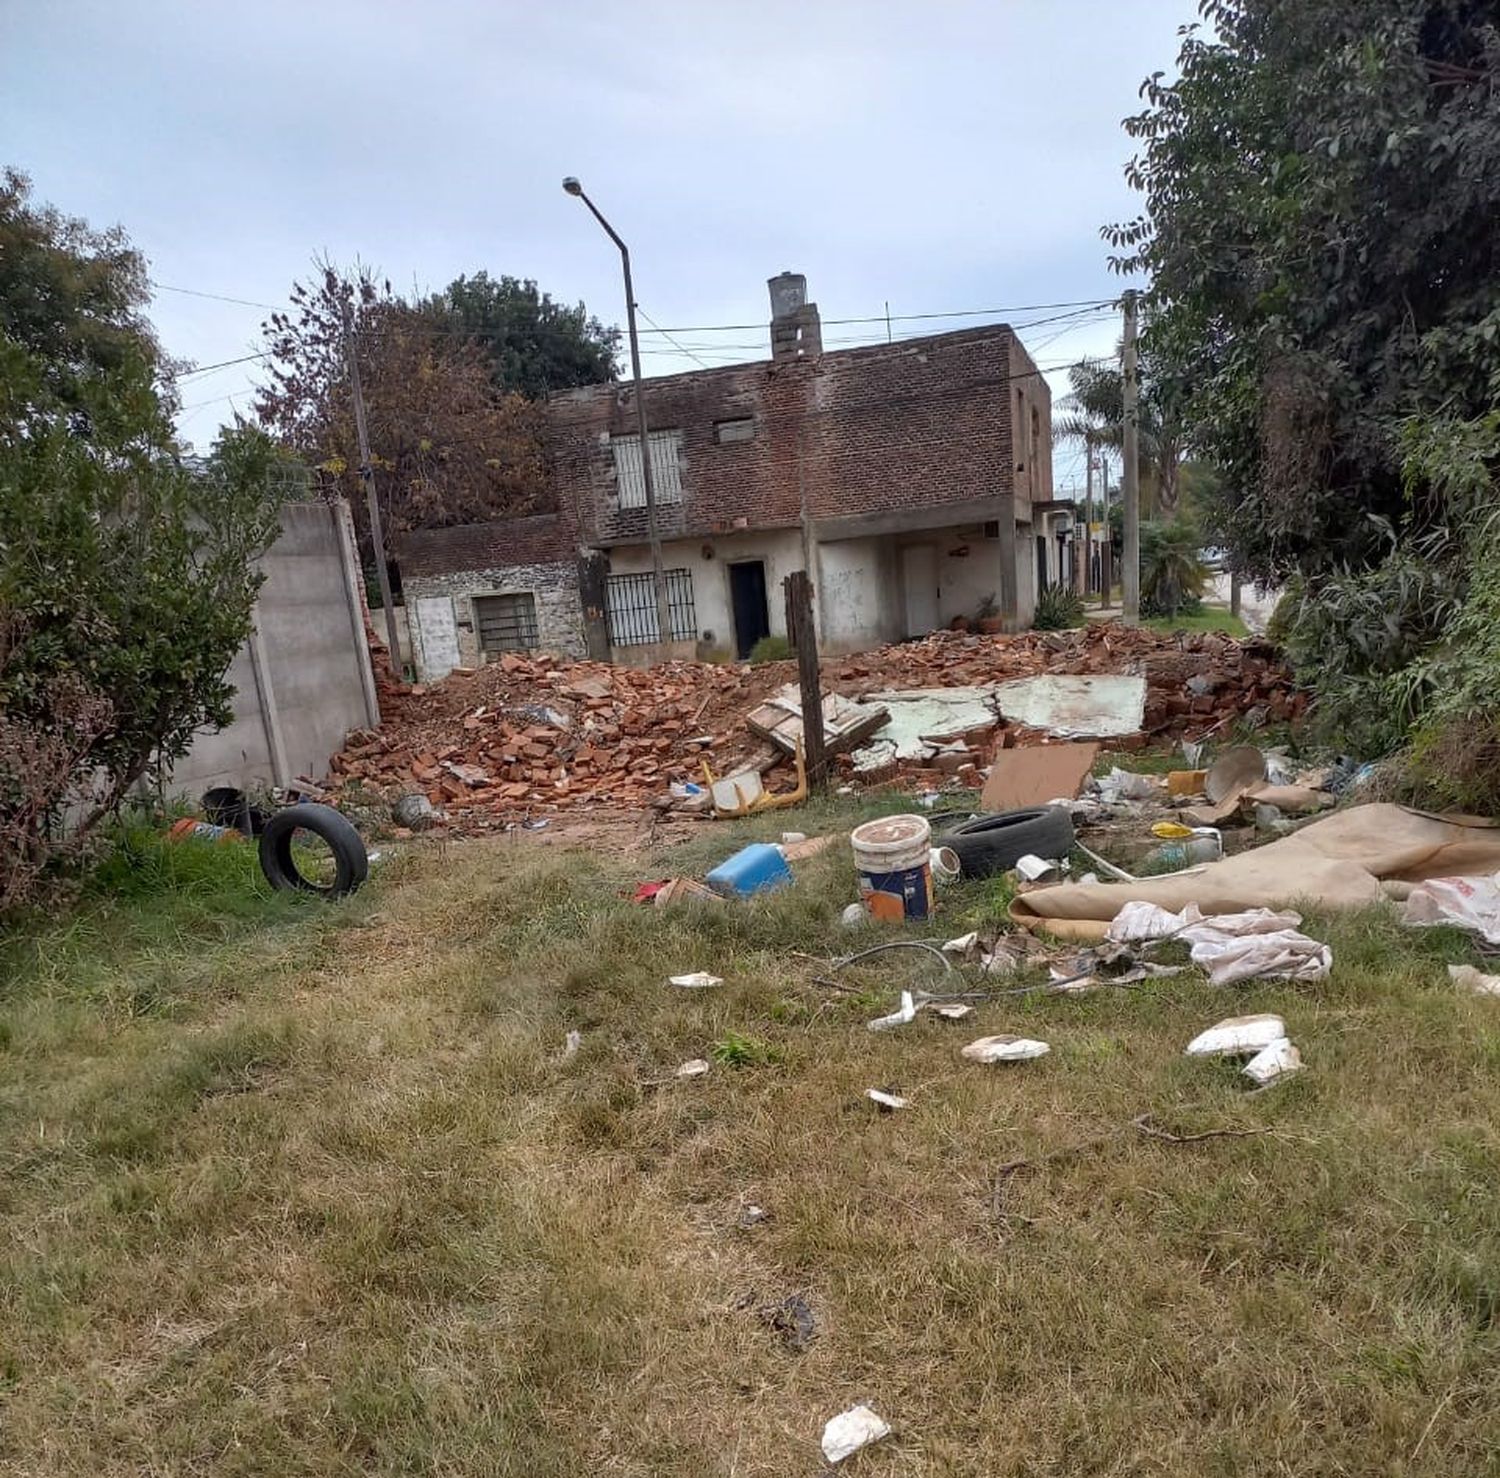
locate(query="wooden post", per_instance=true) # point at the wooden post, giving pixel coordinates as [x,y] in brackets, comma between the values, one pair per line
[803,635]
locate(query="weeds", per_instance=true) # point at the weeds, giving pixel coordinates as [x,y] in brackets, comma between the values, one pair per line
[339,1204]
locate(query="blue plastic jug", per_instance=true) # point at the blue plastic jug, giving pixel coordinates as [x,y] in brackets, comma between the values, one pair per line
[751,870]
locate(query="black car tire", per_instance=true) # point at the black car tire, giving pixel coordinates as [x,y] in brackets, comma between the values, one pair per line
[990,844]
[351,860]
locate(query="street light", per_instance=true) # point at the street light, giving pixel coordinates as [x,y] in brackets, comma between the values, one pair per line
[663,619]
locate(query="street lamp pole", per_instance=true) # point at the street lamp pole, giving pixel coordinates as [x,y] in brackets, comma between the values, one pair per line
[663,617]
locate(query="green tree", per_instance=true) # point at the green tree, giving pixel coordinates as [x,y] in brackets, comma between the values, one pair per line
[127,574]
[447,445]
[1093,412]
[534,345]
[1321,184]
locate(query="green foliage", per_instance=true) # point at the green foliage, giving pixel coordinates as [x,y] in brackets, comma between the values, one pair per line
[735,1049]
[770,649]
[127,575]
[1057,608]
[1321,182]
[1093,412]
[1172,575]
[534,345]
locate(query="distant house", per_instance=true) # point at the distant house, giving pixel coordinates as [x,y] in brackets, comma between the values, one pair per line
[913,480]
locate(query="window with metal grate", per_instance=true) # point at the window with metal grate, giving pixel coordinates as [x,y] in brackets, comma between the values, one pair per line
[630,606]
[505,623]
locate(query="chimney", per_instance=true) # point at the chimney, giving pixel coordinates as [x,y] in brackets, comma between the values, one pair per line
[796,330]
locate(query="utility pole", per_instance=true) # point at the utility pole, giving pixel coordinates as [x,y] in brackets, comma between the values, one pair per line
[663,617]
[372,503]
[1088,521]
[1130,473]
[1107,543]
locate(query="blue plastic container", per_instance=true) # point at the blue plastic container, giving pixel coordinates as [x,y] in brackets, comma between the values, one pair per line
[752,869]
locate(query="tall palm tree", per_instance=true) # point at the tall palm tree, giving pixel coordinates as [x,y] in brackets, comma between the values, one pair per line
[1094,413]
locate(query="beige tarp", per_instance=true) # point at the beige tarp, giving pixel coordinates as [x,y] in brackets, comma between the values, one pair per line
[1341,861]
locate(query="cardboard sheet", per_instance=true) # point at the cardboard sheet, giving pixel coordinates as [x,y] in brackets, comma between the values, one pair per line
[1032,777]
[1346,860]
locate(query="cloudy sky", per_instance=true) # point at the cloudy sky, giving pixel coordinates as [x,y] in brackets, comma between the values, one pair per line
[950,158]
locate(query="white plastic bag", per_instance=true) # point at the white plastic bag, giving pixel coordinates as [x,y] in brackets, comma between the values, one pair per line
[1469,903]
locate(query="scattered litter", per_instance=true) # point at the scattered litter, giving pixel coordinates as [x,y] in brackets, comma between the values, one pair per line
[1230,947]
[1186,782]
[752,1215]
[945,864]
[571,1043]
[962,945]
[1476,982]
[793,1320]
[893,857]
[845,724]
[1023,778]
[1467,903]
[1238,1036]
[1040,869]
[414,810]
[694,1067]
[886,1102]
[753,869]
[697,980]
[1004,1049]
[807,847]
[952,1010]
[470,775]
[1276,1060]
[1234,772]
[851,1430]
[1126,785]
[677,890]
[854,916]
[907,1012]
[791,838]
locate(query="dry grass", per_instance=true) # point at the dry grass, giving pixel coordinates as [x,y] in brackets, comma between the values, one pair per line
[333,1203]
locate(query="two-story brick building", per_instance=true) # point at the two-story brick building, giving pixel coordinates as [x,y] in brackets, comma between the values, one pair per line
[913,480]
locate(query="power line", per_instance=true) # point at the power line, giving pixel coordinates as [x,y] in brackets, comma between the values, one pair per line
[193,292]
[668,336]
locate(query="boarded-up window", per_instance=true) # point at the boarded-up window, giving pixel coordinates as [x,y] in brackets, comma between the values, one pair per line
[741,430]
[505,623]
[666,475]
[630,604]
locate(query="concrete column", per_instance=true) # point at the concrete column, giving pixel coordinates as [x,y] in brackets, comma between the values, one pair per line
[1010,589]
[354,595]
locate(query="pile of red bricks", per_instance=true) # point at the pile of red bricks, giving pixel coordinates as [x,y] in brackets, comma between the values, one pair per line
[527,737]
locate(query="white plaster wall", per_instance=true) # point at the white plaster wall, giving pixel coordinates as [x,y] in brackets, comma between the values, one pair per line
[781,549]
[859,585]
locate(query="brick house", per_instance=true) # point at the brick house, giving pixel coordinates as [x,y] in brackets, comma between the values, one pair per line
[913,480]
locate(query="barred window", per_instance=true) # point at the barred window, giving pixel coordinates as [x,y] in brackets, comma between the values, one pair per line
[630,606]
[505,623]
[666,474]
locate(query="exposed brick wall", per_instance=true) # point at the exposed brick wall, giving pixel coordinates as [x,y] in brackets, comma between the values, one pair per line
[923,423]
[543,538]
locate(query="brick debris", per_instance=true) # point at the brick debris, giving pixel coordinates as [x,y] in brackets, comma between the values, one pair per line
[527,737]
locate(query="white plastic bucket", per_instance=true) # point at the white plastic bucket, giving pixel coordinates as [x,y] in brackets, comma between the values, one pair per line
[894,860]
[945,865]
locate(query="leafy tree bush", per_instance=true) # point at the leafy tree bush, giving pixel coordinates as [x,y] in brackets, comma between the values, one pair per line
[1321,183]
[1057,608]
[770,649]
[1172,574]
[127,574]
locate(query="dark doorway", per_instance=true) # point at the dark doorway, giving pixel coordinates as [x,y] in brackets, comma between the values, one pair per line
[747,595]
[1041,563]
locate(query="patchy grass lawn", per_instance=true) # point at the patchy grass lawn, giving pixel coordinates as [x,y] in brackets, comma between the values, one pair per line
[295,1190]
[1210,618]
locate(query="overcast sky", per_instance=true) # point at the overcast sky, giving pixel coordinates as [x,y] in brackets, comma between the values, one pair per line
[943,158]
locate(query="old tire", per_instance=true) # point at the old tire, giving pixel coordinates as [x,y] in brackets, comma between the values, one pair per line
[351,861]
[990,844]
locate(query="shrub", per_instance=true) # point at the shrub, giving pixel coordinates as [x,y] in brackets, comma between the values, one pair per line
[1172,574]
[1057,608]
[770,649]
